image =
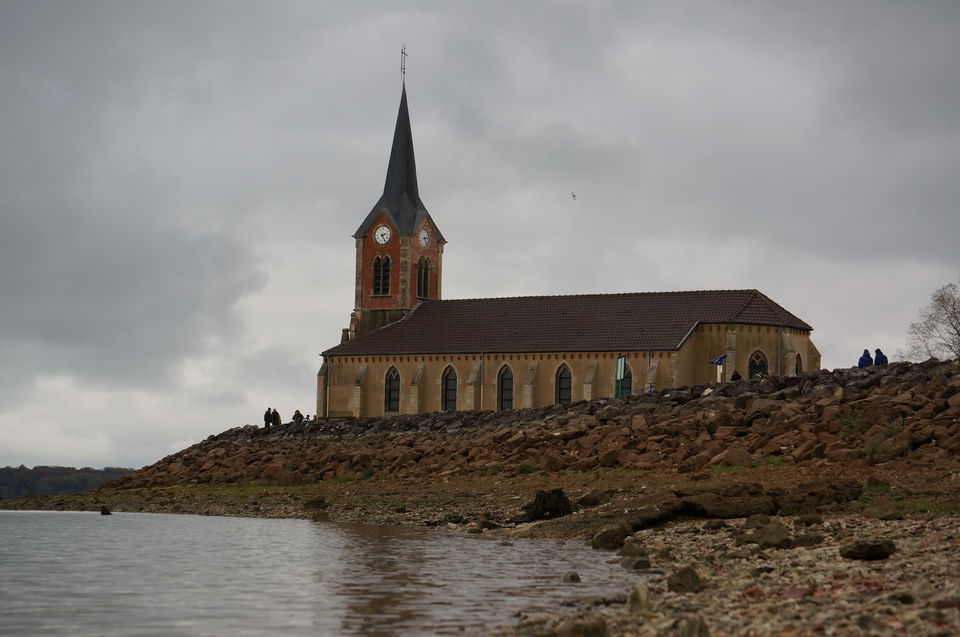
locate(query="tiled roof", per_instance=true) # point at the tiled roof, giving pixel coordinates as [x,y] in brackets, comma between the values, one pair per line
[580,323]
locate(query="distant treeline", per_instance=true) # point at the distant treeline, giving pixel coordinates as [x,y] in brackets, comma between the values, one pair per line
[20,481]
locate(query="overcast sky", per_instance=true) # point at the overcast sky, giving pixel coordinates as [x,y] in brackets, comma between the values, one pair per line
[179,182]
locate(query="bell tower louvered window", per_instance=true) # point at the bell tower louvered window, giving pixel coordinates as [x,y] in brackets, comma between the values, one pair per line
[423,278]
[381,276]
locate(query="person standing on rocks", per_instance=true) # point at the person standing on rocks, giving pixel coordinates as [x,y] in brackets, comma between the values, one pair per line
[275,418]
[880,358]
[865,360]
[267,418]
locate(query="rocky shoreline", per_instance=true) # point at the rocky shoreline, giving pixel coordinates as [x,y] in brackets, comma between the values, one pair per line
[723,484]
[780,576]
[697,574]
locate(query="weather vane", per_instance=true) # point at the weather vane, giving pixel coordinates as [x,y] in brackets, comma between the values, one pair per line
[403,63]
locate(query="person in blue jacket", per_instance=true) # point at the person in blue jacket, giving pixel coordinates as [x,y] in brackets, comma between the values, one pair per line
[880,358]
[865,360]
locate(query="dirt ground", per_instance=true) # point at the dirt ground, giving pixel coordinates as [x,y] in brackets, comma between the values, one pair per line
[498,500]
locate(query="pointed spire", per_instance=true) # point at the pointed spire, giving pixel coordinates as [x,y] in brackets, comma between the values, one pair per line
[401,194]
[402,169]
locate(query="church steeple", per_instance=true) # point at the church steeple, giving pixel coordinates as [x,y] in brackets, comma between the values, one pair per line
[402,169]
[399,248]
[400,200]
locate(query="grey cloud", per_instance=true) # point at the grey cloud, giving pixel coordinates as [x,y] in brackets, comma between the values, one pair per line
[176,176]
[114,299]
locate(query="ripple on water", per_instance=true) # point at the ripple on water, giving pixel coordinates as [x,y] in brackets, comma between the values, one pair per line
[149,574]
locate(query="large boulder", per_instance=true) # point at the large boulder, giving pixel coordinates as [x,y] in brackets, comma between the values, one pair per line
[592,626]
[548,505]
[772,536]
[594,497]
[734,457]
[685,580]
[868,549]
[641,600]
[609,458]
[883,510]
[610,537]
[551,463]
[714,505]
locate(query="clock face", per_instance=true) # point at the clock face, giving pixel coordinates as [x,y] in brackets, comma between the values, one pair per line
[381,234]
[424,238]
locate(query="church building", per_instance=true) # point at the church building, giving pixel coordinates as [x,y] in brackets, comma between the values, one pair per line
[408,350]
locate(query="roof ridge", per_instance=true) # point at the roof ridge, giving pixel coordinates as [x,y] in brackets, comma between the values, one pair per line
[594,294]
[754,292]
[628,321]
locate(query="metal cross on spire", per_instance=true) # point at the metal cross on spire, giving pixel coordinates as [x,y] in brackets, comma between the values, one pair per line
[403,63]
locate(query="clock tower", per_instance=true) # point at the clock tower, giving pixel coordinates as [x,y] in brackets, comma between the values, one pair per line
[399,248]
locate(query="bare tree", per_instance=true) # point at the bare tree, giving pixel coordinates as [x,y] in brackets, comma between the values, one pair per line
[936,333]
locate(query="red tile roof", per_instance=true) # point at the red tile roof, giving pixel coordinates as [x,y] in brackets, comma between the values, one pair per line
[579,323]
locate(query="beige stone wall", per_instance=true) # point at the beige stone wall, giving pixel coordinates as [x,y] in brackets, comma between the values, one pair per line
[354,385]
[739,342]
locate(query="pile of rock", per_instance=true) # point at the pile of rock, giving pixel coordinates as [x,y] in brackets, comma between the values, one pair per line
[765,576]
[842,416]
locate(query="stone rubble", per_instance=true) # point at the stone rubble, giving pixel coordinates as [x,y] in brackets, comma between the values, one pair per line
[870,415]
[715,585]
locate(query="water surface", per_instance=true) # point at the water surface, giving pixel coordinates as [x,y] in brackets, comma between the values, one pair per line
[149,574]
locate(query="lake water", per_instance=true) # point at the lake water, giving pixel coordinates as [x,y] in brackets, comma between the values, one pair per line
[67,573]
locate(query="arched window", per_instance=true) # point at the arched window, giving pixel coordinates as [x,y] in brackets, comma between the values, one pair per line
[448,397]
[626,383]
[391,390]
[799,367]
[505,388]
[758,365]
[423,278]
[381,276]
[564,382]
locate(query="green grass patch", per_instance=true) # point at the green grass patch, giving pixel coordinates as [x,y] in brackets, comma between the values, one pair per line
[772,461]
[885,445]
[249,488]
[944,505]
[851,425]
[525,468]
[719,469]
[873,492]
[625,472]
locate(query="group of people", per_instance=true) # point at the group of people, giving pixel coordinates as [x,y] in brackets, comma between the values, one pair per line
[879,358]
[271,418]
